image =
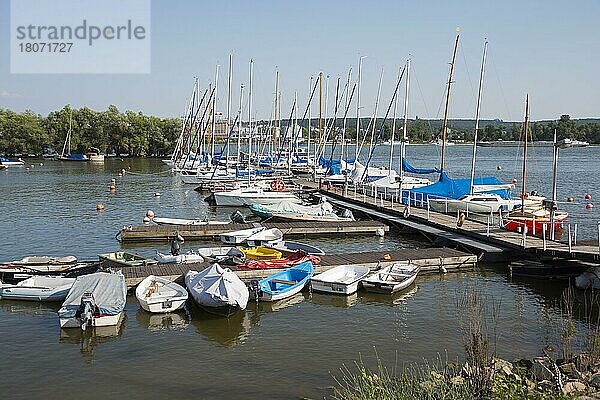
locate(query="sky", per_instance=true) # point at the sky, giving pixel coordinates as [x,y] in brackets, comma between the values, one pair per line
[549,49]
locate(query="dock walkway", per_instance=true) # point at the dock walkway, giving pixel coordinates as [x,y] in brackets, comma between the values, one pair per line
[429,259]
[488,238]
[164,233]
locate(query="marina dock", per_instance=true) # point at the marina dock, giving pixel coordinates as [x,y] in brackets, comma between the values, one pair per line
[164,233]
[487,239]
[429,259]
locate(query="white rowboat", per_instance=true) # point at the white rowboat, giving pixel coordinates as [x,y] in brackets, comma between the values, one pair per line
[38,288]
[160,295]
[343,279]
[391,279]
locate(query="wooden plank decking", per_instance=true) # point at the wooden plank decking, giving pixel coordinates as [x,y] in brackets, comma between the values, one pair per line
[429,259]
[145,233]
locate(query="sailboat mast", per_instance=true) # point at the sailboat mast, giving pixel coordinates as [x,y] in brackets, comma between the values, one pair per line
[344,124]
[229,105]
[250,120]
[477,115]
[525,152]
[239,138]
[277,130]
[376,109]
[445,126]
[404,128]
[393,132]
[309,120]
[214,114]
[320,113]
[360,60]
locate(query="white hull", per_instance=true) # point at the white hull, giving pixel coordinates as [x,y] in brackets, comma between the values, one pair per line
[238,237]
[238,198]
[391,279]
[164,296]
[185,222]
[97,158]
[344,279]
[38,288]
[12,163]
[106,320]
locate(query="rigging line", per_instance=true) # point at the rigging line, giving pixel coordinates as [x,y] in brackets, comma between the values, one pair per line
[414,72]
[468,76]
[508,114]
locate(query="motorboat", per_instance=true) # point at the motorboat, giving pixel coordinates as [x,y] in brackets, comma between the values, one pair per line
[238,237]
[217,290]
[160,295]
[185,258]
[266,237]
[245,196]
[94,300]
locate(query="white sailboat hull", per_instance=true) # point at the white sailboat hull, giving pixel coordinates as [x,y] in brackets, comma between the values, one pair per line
[239,198]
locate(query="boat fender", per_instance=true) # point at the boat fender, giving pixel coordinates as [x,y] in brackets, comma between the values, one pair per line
[461,220]
[406,213]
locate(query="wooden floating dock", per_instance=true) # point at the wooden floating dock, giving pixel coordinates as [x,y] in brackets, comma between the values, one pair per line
[429,259]
[164,233]
[493,244]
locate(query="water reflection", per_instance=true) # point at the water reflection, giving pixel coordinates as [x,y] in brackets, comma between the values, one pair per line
[174,321]
[264,307]
[225,331]
[390,300]
[29,307]
[334,300]
[91,338]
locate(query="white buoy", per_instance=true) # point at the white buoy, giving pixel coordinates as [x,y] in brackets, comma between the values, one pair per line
[380,232]
[157,194]
[41,164]
[146,220]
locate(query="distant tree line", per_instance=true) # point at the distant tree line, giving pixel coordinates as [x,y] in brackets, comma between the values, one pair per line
[136,134]
[109,131]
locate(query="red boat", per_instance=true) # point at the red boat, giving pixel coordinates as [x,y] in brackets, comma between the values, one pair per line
[291,260]
[535,220]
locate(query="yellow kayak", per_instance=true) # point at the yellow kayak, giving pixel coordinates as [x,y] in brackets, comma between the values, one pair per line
[261,253]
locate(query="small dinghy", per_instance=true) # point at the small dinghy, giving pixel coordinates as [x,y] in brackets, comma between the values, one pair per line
[217,290]
[291,247]
[237,237]
[261,253]
[265,237]
[185,258]
[222,254]
[94,300]
[120,259]
[160,295]
[391,279]
[43,261]
[284,284]
[185,222]
[38,288]
[343,279]
[295,258]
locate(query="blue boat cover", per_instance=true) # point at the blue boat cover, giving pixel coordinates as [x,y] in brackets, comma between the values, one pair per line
[77,156]
[448,188]
[406,167]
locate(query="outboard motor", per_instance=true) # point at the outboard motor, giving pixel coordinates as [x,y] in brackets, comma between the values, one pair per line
[255,288]
[346,213]
[237,217]
[175,247]
[86,309]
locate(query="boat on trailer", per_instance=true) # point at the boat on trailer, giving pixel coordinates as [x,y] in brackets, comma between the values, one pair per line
[38,288]
[391,279]
[160,295]
[343,279]
[284,284]
[94,300]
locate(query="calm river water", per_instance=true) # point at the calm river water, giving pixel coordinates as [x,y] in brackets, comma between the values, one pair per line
[280,351]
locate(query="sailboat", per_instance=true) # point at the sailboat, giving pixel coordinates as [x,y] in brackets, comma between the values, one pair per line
[533,218]
[453,189]
[66,155]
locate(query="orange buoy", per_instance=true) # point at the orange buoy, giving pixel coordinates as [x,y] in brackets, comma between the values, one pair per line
[570,199]
[100,207]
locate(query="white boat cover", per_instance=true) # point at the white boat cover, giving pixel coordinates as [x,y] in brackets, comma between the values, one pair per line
[267,235]
[216,286]
[322,208]
[189,257]
[108,289]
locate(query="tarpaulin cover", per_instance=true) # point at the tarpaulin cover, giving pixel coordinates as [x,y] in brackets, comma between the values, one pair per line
[448,188]
[406,167]
[216,287]
[108,290]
